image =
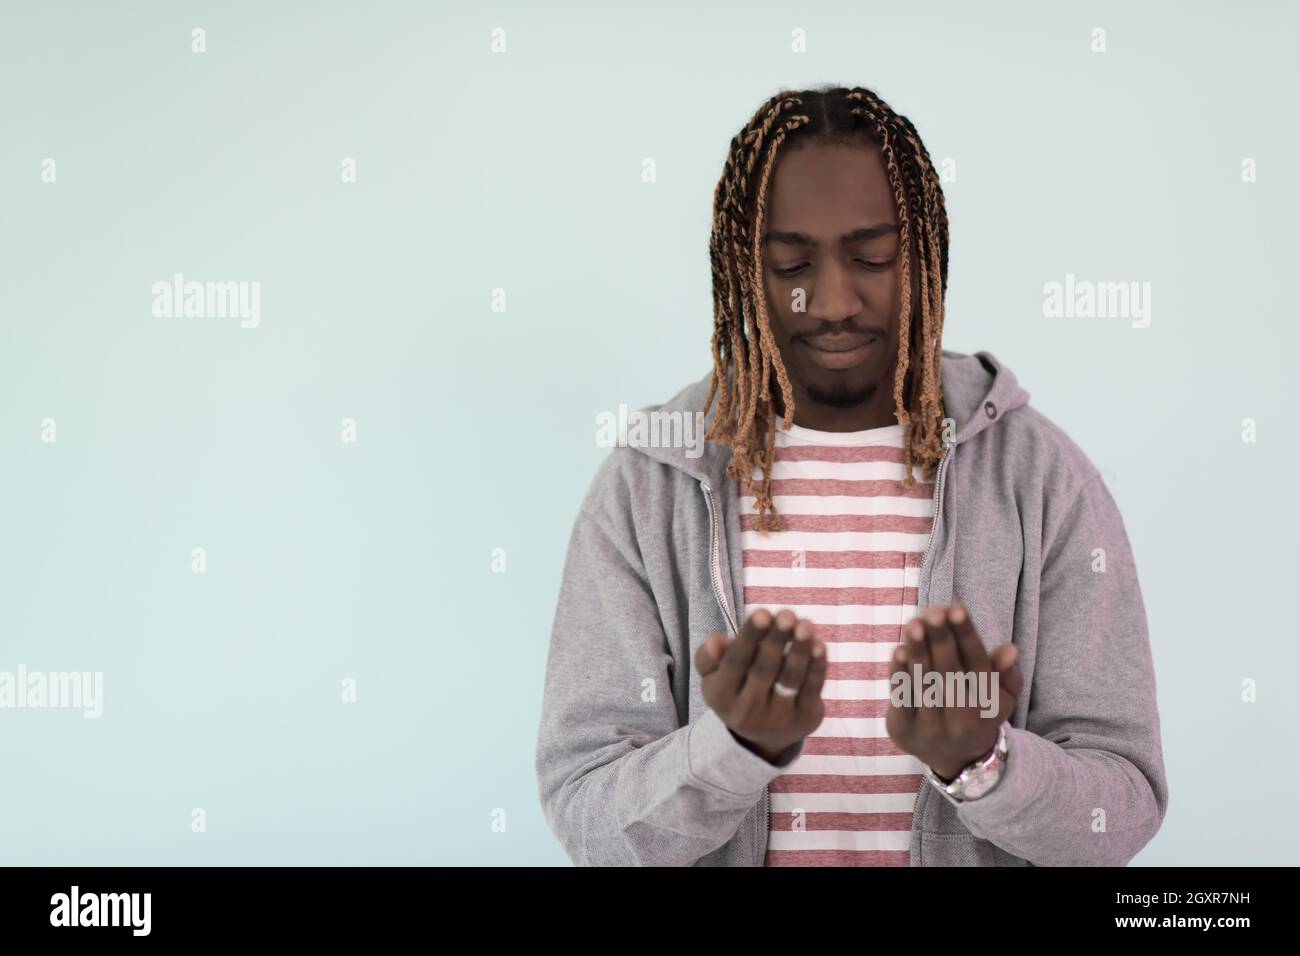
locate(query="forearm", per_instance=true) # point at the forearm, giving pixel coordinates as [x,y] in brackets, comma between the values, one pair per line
[666,803]
[1058,806]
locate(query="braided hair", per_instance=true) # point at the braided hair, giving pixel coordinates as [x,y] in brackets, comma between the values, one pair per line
[745,355]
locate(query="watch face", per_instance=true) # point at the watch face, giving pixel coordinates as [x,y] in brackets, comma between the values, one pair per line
[978,785]
[982,780]
[975,781]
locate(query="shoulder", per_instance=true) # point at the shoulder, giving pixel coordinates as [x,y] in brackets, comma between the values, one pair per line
[622,475]
[658,451]
[632,494]
[1043,450]
[1020,463]
[1052,478]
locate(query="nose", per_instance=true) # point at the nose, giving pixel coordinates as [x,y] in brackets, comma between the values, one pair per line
[833,297]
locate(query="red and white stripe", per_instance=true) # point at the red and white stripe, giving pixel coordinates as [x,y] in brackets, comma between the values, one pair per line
[849,561]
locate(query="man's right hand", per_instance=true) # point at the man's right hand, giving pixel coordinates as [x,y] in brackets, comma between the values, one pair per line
[737,678]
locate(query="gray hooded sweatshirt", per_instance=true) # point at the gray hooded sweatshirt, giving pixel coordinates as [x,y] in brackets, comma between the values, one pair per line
[634,769]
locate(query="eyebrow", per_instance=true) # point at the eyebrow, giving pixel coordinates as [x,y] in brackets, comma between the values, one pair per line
[857,235]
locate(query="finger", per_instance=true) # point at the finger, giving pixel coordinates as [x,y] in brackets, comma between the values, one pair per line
[973,655]
[929,721]
[1006,698]
[795,668]
[899,719]
[901,666]
[1004,655]
[945,658]
[768,660]
[914,642]
[940,641]
[810,694]
[740,655]
[1011,680]
[709,654]
[907,657]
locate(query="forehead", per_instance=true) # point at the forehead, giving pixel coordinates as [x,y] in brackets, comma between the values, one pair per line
[826,190]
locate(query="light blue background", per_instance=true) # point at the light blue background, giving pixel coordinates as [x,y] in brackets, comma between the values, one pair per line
[476,429]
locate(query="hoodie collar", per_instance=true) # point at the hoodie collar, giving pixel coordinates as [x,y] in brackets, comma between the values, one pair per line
[977,391]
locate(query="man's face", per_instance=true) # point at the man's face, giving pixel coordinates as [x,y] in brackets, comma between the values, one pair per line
[832,232]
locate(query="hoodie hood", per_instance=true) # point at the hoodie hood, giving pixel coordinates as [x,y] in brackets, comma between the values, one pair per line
[977,391]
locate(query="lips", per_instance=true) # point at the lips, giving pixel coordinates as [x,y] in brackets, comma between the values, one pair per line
[843,342]
[840,351]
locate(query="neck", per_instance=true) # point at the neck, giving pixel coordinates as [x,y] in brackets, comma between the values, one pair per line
[876,410]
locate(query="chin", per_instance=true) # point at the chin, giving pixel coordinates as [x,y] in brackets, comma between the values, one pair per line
[841,392]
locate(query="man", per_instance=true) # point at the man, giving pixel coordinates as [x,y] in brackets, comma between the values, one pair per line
[735,629]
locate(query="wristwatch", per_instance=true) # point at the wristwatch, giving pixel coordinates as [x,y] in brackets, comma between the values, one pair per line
[980,777]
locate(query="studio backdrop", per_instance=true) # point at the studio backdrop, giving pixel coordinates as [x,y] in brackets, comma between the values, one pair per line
[309,314]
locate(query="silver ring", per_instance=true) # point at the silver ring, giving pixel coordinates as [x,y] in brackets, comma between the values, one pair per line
[783,691]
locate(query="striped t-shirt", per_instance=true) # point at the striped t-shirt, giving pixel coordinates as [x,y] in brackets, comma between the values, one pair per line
[849,561]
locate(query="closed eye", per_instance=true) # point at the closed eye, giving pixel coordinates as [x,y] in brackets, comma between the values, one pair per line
[872,265]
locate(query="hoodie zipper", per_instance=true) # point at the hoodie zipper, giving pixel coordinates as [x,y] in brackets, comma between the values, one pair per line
[925,556]
[934,523]
[714,574]
[718,592]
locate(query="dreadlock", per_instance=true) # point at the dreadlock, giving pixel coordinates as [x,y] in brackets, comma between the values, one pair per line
[745,356]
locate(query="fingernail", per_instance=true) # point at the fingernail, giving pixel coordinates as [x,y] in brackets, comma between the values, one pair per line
[956,614]
[803,630]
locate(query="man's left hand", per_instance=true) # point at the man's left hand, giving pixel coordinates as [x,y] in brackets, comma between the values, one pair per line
[949,738]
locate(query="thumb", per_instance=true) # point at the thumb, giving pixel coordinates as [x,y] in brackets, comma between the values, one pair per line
[1010,678]
[710,654]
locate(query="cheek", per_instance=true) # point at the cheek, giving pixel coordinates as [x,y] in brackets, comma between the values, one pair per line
[781,299]
[883,291]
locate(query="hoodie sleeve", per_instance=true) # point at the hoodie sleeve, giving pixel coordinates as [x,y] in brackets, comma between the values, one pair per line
[1084,783]
[622,781]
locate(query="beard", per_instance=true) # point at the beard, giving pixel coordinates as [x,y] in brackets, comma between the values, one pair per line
[842,396]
